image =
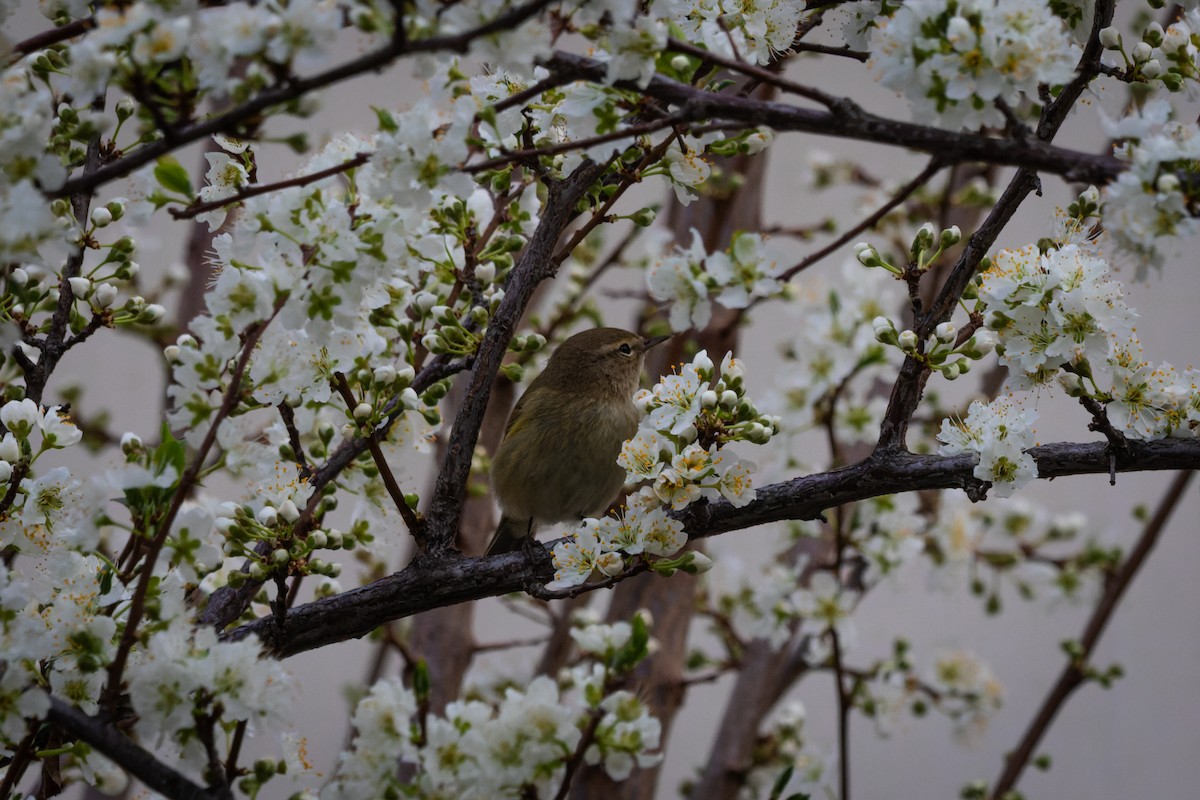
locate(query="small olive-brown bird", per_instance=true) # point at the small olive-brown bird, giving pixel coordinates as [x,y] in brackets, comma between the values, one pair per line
[558,458]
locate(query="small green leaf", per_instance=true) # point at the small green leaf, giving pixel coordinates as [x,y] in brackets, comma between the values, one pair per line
[781,783]
[172,176]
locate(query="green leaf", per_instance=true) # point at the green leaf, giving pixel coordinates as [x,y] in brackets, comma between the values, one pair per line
[173,177]
[781,783]
[420,681]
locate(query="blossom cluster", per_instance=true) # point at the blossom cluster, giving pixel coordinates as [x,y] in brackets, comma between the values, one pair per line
[1013,546]
[691,279]
[957,684]
[1167,57]
[1051,310]
[957,61]
[687,420]
[518,744]
[1150,200]
[1060,316]
[790,597]
[997,434]
[752,30]
[785,758]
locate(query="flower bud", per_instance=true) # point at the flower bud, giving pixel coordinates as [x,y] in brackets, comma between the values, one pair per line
[1153,34]
[363,411]
[267,516]
[131,443]
[10,451]
[424,301]
[1141,52]
[946,332]
[1071,383]
[696,563]
[80,287]
[385,375]
[101,217]
[485,272]
[867,256]
[1110,38]
[288,511]
[20,416]
[907,341]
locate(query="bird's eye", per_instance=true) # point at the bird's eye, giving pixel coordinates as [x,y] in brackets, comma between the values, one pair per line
[625,349]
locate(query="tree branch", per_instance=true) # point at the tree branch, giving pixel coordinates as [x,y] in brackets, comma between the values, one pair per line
[231,120]
[535,265]
[1073,675]
[255,189]
[951,147]
[907,390]
[120,749]
[425,585]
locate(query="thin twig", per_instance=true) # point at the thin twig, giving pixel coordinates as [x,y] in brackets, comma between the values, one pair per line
[516,156]
[840,104]
[898,197]
[824,49]
[1073,673]
[137,605]
[231,121]
[255,189]
[289,422]
[54,36]
[385,471]
[576,761]
[511,644]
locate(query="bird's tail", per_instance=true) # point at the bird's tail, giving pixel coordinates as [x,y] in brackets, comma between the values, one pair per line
[509,536]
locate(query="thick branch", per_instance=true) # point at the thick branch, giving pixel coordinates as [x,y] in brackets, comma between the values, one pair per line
[421,586]
[950,147]
[535,265]
[118,747]
[426,585]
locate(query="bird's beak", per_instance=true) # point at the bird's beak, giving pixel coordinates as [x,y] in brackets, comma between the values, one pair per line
[653,341]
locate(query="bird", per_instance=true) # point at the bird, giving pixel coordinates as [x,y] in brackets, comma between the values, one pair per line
[558,458]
